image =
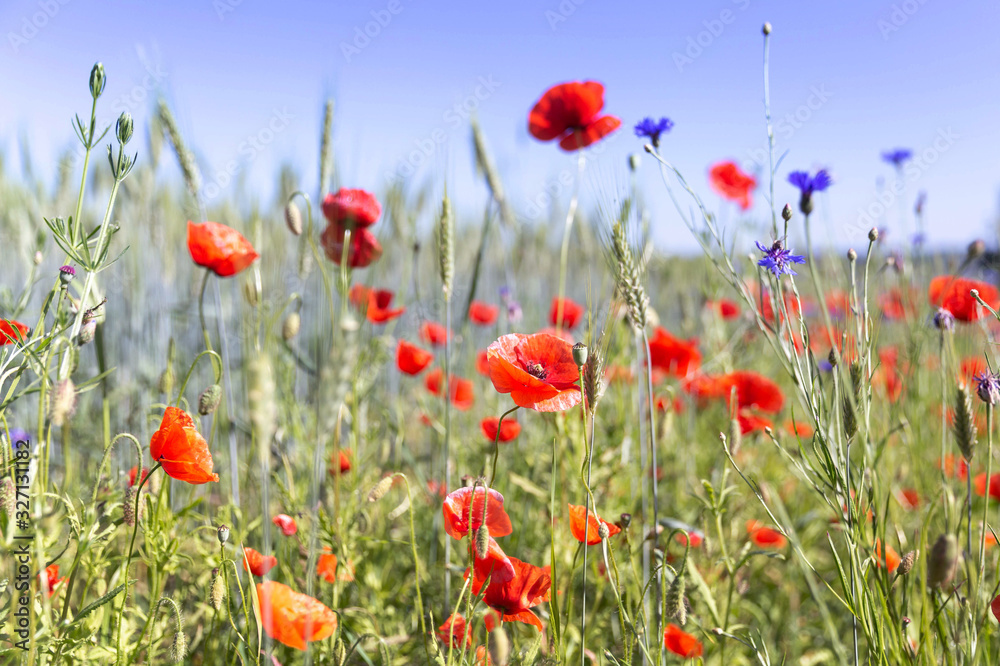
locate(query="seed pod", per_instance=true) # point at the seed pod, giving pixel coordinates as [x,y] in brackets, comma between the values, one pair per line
[218,591]
[942,561]
[293,218]
[379,490]
[209,400]
[290,327]
[223,534]
[625,520]
[580,354]
[482,541]
[964,425]
[602,531]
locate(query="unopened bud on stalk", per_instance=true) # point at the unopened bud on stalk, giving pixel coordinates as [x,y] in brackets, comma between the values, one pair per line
[209,400]
[633,162]
[942,561]
[944,320]
[178,649]
[123,128]
[873,234]
[976,249]
[223,534]
[906,564]
[580,354]
[293,218]
[251,292]
[379,490]
[675,598]
[217,593]
[767,31]
[603,531]
[97,80]
[625,520]
[499,646]
[166,384]
[786,213]
[290,327]
[482,541]
[128,506]
[852,255]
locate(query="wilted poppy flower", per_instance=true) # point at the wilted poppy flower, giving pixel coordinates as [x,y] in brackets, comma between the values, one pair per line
[456,513]
[765,537]
[181,450]
[581,521]
[729,180]
[570,112]
[411,359]
[286,523]
[344,463]
[513,598]
[134,472]
[461,390]
[49,578]
[453,632]
[571,312]
[434,333]
[257,563]
[681,643]
[293,618]
[483,314]
[364,248]
[725,308]
[352,208]
[674,356]
[496,565]
[952,293]
[752,423]
[537,370]
[509,430]
[374,303]
[752,390]
[219,248]
[979,483]
[12,332]
[891,557]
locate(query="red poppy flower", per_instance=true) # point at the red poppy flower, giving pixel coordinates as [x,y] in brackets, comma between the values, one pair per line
[453,632]
[374,303]
[729,180]
[508,431]
[49,578]
[569,112]
[972,366]
[456,513]
[752,423]
[411,359]
[434,333]
[725,308]
[909,498]
[353,208]
[181,450]
[894,304]
[979,482]
[132,473]
[949,466]
[581,521]
[529,587]
[286,523]
[293,618]
[838,303]
[571,314]
[995,607]
[496,565]
[767,307]
[219,248]
[681,643]
[696,539]
[482,657]
[675,357]
[12,332]
[891,557]
[344,463]
[803,430]
[461,390]
[765,537]
[752,390]
[256,563]
[482,363]
[483,314]
[326,566]
[364,249]
[537,370]
[952,294]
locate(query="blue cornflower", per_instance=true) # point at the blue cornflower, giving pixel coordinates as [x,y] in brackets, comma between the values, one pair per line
[988,387]
[897,157]
[807,185]
[652,129]
[778,260]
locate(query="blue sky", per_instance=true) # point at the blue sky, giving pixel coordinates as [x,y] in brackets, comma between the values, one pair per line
[848,80]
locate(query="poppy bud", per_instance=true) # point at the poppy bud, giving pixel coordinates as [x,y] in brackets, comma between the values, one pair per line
[767,31]
[251,292]
[873,234]
[379,490]
[675,599]
[633,162]
[7,495]
[944,320]
[178,649]
[97,80]
[209,400]
[483,541]
[602,531]
[123,128]
[218,590]
[852,254]
[290,328]
[166,384]
[399,510]
[62,402]
[293,218]
[128,506]
[580,354]
[223,534]
[976,249]
[499,646]
[66,274]
[942,561]
[906,564]
[340,651]
[786,213]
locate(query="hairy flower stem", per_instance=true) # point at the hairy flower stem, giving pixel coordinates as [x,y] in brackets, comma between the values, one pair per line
[564,252]
[496,446]
[986,506]
[588,459]
[128,564]
[651,414]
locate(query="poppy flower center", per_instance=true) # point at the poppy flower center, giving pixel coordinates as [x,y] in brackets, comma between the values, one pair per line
[536,370]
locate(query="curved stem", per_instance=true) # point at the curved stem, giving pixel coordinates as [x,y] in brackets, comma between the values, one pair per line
[496,444]
[201,310]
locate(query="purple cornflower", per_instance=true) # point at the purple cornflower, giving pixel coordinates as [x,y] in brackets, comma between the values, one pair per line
[652,129]
[778,260]
[897,157]
[944,320]
[807,185]
[19,435]
[988,387]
